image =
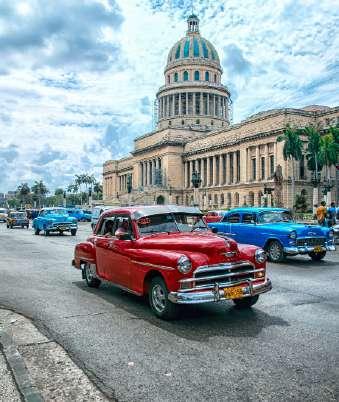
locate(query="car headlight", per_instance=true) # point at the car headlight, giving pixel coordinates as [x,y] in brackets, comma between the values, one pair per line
[330,233]
[293,235]
[184,264]
[260,256]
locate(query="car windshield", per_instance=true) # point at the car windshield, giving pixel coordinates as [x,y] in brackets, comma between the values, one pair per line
[56,212]
[274,216]
[171,223]
[19,215]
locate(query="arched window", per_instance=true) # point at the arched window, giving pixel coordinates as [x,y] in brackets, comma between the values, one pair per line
[185,75]
[207,76]
[168,79]
[196,52]
[222,199]
[204,49]
[215,78]
[177,53]
[175,77]
[187,48]
[196,76]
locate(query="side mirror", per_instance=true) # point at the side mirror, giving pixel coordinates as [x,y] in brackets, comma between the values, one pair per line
[214,230]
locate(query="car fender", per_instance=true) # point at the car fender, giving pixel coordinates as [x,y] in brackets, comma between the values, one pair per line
[268,240]
[84,252]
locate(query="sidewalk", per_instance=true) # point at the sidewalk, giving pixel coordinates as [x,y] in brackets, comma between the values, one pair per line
[34,368]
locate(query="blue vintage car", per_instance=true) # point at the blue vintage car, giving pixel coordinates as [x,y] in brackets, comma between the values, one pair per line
[54,220]
[274,230]
[79,214]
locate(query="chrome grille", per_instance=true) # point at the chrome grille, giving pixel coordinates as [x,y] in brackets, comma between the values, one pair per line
[311,241]
[227,274]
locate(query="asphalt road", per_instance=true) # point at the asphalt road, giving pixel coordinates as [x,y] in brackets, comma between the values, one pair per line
[285,348]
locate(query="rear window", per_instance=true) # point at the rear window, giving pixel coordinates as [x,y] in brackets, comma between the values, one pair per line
[232,218]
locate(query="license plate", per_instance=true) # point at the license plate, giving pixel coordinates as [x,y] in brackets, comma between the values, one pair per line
[62,227]
[318,249]
[233,293]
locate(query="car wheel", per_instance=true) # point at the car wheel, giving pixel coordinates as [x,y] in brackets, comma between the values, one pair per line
[275,251]
[90,277]
[317,256]
[158,300]
[46,232]
[36,232]
[61,233]
[73,232]
[7,226]
[246,302]
[22,226]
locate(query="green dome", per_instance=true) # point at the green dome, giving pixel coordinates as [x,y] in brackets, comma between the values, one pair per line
[193,46]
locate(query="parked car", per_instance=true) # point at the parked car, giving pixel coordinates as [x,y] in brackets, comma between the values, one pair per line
[336,233]
[274,230]
[79,214]
[96,212]
[54,220]
[214,216]
[15,219]
[169,254]
[3,214]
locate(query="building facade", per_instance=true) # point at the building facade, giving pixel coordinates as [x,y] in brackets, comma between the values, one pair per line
[236,163]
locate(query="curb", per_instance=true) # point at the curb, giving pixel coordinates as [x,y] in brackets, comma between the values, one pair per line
[17,365]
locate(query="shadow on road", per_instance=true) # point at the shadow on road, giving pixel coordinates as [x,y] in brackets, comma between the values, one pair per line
[198,323]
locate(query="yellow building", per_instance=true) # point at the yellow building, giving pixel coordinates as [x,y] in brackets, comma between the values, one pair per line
[236,163]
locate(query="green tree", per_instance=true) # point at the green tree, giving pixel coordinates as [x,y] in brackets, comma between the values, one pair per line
[292,150]
[328,154]
[23,192]
[40,191]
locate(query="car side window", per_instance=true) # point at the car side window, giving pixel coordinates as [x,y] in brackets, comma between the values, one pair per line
[107,226]
[248,218]
[123,223]
[233,218]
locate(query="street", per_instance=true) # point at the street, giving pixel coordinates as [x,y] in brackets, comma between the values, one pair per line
[284,348]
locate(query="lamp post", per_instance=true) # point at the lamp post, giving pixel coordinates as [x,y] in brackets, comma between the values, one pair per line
[315,180]
[129,187]
[196,181]
[90,197]
[328,185]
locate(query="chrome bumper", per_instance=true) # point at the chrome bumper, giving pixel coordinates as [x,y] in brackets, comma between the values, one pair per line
[64,228]
[294,250]
[217,294]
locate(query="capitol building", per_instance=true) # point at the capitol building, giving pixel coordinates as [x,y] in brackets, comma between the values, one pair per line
[194,138]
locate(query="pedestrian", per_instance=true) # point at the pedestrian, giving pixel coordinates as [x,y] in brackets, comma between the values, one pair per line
[331,215]
[321,213]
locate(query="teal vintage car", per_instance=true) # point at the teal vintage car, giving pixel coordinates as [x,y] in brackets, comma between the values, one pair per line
[54,220]
[275,231]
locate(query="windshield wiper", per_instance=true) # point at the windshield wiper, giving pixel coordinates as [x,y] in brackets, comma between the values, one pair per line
[198,227]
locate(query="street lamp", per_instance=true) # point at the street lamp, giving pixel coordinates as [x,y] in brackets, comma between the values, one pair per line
[196,181]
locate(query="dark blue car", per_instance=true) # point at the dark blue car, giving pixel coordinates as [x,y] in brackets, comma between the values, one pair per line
[274,230]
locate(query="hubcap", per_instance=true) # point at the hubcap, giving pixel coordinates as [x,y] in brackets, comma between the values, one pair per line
[158,298]
[89,273]
[275,251]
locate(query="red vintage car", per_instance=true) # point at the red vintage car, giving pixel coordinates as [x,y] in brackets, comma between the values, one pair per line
[214,216]
[169,254]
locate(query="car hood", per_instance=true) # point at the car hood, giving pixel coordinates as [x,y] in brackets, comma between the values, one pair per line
[302,229]
[60,218]
[207,242]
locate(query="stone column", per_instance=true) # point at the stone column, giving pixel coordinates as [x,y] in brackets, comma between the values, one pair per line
[267,162]
[221,170]
[202,172]
[208,104]
[173,105]
[194,103]
[201,103]
[185,174]
[186,103]
[257,161]
[214,107]
[215,173]
[228,168]
[208,172]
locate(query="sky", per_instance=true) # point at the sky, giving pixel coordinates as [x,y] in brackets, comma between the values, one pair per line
[78,78]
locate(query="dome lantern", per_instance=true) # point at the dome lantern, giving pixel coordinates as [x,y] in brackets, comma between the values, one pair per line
[193,24]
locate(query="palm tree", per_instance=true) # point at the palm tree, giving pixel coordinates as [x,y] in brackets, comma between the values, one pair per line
[292,150]
[23,192]
[39,190]
[313,162]
[328,156]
